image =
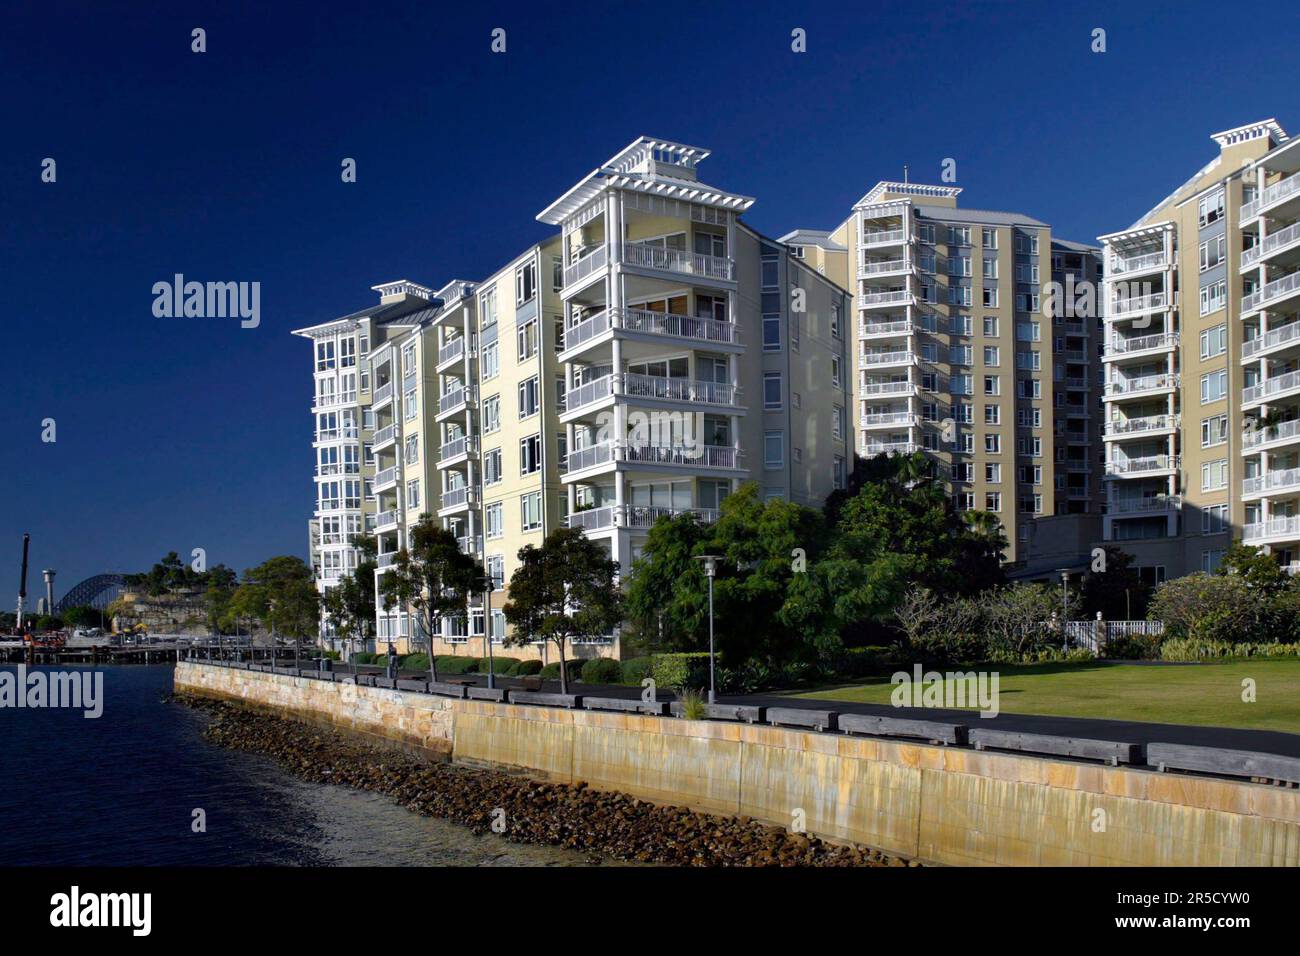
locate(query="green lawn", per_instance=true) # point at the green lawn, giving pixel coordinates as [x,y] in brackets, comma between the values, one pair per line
[1206,694]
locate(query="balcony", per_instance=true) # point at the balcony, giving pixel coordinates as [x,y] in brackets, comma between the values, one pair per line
[633,517]
[883,237]
[385,560]
[1272,389]
[1122,348]
[1262,439]
[1147,384]
[880,330]
[457,499]
[1138,305]
[883,267]
[1273,244]
[456,400]
[340,433]
[386,478]
[887,359]
[1075,381]
[587,263]
[886,389]
[1146,505]
[1272,530]
[452,351]
[1075,327]
[1278,193]
[382,394]
[1149,262]
[386,519]
[1271,341]
[679,261]
[889,420]
[338,468]
[1272,294]
[1281,482]
[643,322]
[457,449]
[1142,467]
[385,435]
[653,456]
[886,299]
[1143,427]
[633,386]
[471,544]
[890,447]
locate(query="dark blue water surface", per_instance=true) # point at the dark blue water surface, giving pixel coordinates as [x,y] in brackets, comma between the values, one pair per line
[121,790]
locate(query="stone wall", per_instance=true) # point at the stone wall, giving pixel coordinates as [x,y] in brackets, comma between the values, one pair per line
[936,804]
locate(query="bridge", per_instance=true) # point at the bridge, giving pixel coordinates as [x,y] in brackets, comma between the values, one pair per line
[98,592]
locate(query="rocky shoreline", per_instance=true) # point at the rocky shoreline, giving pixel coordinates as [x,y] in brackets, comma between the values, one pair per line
[604,824]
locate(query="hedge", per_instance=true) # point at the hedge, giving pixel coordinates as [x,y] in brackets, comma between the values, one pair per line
[1187,649]
[634,670]
[528,668]
[456,664]
[601,670]
[680,670]
[552,670]
[364,657]
[501,666]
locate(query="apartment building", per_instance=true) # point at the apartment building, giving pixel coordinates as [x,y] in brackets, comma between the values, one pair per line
[644,362]
[956,356]
[1198,301]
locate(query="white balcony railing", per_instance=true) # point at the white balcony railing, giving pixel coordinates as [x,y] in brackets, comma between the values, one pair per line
[1146,383]
[386,519]
[454,497]
[386,477]
[900,327]
[699,456]
[636,385]
[878,419]
[1138,304]
[386,434]
[382,393]
[1284,479]
[899,357]
[883,237]
[1137,466]
[1273,194]
[579,459]
[886,447]
[679,260]
[870,267]
[875,389]
[1284,432]
[1142,425]
[1271,243]
[1272,292]
[1286,527]
[465,445]
[1122,346]
[1270,340]
[638,517]
[585,264]
[1148,504]
[452,350]
[870,300]
[1143,263]
[456,398]
[337,433]
[1271,387]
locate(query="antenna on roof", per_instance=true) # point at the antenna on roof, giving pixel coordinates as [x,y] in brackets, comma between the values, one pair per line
[905,174]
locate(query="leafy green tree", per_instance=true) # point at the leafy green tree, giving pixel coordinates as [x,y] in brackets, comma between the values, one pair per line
[1200,606]
[563,591]
[82,616]
[350,605]
[1117,592]
[433,578]
[1261,571]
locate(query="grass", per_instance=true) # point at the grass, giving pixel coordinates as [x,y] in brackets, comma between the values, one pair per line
[1201,694]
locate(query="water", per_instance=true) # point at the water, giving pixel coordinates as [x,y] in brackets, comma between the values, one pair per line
[121,790]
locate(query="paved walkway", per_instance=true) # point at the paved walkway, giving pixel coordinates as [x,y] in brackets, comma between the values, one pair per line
[1127,731]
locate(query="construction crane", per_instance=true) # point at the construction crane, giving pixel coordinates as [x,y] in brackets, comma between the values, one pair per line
[22,583]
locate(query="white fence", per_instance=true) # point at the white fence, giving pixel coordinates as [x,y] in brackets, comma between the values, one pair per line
[1097,635]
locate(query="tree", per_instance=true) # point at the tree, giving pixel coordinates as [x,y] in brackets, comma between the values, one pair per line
[654,596]
[82,616]
[433,578]
[350,605]
[1261,571]
[565,590]
[1117,591]
[1208,607]
[281,593]
[1014,616]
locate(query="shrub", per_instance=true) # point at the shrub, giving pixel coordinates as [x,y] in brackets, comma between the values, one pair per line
[529,668]
[750,677]
[634,670]
[602,670]
[332,655]
[680,670]
[551,671]
[364,657]
[501,666]
[1189,649]
[415,662]
[692,704]
[455,664]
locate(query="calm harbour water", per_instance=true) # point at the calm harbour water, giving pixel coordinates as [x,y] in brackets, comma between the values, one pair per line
[121,790]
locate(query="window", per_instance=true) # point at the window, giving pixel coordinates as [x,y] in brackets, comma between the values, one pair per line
[413,494]
[530,511]
[771,333]
[412,449]
[990,297]
[325,355]
[963,413]
[1214,431]
[1214,519]
[1030,388]
[993,472]
[990,267]
[961,385]
[1029,332]
[528,397]
[835,371]
[1214,475]
[959,266]
[559,333]
[837,422]
[959,295]
[959,235]
[993,501]
[412,404]
[496,569]
[492,524]
[530,454]
[1210,560]
[925,232]
[1029,361]
[772,390]
[993,443]
[1213,251]
[957,355]
[1210,208]
[992,355]
[492,413]
[837,464]
[773,449]
[487,307]
[1214,296]
[837,326]
[1214,386]
[990,238]
[526,282]
[960,324]
[557,273]
[1214,341]
[992,385]
[490,359]
[492,466]
[526,340]
[992,414]
[991,326]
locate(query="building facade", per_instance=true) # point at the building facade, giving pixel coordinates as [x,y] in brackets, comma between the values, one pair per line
[1199,300]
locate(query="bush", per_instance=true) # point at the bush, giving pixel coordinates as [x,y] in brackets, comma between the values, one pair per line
[601,670]
[529,668]
[1189,649]
[501,666]
[749,678]
[364,657]
[634,670]
[693,707]
[332,655]
[415,662]
[455,664]
[863,661]
[680,670]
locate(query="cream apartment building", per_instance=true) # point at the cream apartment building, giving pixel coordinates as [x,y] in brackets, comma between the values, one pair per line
[1200,397]
[646,361]
[955,356]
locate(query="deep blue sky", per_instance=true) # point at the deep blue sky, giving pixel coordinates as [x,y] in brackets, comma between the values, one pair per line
[182,433]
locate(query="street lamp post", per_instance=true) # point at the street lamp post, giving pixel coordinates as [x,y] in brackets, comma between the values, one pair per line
[710,571]
[488,586]
[1065,610]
